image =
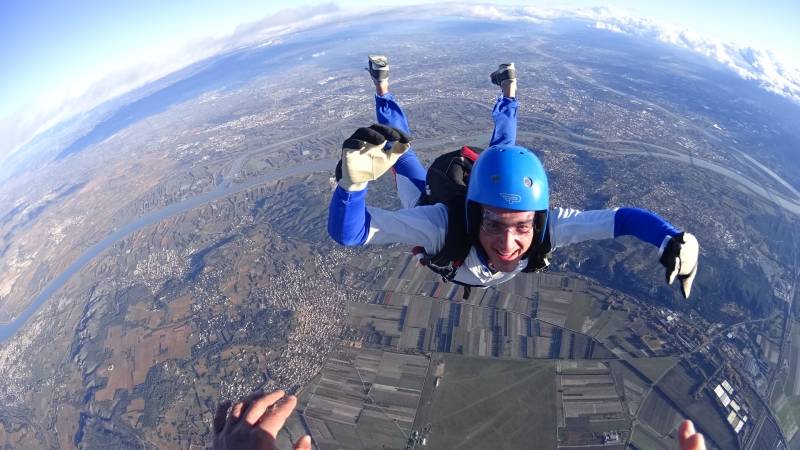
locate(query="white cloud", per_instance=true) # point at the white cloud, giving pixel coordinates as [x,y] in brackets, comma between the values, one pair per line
[762,66]
[749,63]
[607,26]
[759,65]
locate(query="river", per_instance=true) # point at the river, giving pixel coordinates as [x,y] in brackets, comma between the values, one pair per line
[221,191]
[227,188]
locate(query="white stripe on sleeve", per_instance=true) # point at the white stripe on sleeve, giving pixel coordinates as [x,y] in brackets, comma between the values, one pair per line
[421,225]
[570,226]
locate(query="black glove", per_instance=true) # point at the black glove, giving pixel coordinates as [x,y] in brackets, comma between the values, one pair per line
[364,157]
[680,257]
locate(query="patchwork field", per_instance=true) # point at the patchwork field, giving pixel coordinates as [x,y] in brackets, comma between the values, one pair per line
[477,403]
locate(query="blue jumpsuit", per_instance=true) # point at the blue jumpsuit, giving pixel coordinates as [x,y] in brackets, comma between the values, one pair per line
[351,222]
[408,166]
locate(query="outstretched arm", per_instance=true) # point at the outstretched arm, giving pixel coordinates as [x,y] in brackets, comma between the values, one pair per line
[645,225]
[678,251]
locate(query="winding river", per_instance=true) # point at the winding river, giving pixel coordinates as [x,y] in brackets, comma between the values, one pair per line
[221,191]
[227,188]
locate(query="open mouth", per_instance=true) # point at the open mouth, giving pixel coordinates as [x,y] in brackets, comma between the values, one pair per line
[506,256]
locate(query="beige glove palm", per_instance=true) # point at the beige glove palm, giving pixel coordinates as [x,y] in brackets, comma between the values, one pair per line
[679,256]
[364,157]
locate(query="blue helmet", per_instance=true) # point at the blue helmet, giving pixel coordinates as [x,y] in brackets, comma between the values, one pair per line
[509,177]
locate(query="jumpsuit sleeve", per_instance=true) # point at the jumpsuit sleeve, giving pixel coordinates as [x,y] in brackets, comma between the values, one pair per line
[409,171]
[570,226]
[352,223]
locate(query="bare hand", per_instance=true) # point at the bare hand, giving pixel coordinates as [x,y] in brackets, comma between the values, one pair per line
[689,438]
[254,423]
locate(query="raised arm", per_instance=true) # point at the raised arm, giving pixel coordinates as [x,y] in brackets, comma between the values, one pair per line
[352,223]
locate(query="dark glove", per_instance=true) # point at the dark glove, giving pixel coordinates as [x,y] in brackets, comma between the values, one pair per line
[364,157]
[680,258]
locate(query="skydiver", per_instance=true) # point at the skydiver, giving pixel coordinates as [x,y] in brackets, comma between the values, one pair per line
[507,225]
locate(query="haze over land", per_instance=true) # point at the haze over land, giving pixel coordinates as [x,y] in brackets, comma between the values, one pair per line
[189,217]
[776,72]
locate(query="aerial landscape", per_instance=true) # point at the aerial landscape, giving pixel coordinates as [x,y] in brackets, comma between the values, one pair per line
[169,249]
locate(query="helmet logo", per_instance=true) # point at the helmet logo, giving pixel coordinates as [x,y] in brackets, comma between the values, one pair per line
[510,198]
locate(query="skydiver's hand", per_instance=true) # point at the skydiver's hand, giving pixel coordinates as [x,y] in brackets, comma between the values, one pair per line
[254,423]
[364,158]
[690,439]
[680,256]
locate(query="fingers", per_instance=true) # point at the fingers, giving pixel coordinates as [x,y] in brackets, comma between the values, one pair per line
[375,134]
[672,272]
[686,282]
[688,438]
[371,135]
[259,405]
[695,442]
[236,412]
[304,443]
[391,133]
[219,416]
[685,430]
[273,421]
[670,258]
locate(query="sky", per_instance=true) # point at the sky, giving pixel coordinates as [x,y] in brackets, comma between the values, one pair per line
[55,52]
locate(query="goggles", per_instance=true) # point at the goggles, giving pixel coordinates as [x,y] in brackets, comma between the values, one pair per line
[493,225]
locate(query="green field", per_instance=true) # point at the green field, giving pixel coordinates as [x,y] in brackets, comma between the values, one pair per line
[786,405]
[488,403]
[653,368]
[678,385]
[644,437]
[580,308]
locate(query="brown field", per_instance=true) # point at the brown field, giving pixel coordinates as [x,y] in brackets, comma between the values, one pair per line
[135,350]
[140,312]
[200,367]
[180,308]
[137,404]
[230,289]
[134,412]
[67,426]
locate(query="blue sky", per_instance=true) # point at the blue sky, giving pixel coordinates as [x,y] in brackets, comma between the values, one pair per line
[56,50]
[55,46]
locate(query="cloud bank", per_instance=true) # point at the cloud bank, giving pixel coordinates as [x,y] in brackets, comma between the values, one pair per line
[751,64]
[761,66]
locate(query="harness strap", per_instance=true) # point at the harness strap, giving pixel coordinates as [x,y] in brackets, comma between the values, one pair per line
[469,153]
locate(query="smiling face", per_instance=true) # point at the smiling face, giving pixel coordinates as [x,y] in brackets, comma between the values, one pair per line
[506,236]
